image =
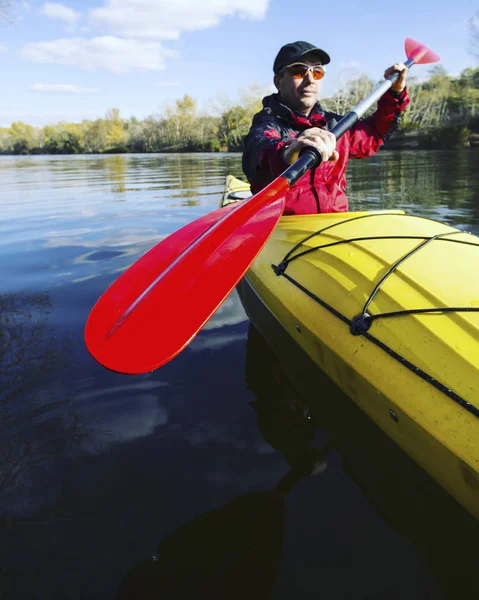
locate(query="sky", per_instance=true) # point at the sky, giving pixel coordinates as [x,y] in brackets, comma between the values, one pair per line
[74,60]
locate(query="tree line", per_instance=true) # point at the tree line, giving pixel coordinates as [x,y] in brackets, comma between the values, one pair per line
[444,112]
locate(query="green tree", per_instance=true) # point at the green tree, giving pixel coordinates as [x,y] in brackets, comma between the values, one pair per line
[236,119]
[61,139]
[234,126]
[429,101]
[183,121]
[6,141]
[135,135]
[25,138]
[95,136]
[207,138]
[115,131]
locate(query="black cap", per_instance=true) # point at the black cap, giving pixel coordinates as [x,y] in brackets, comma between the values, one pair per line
[291,53]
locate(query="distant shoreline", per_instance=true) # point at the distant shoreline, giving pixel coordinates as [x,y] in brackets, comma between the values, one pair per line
[446,138]
[398,142]
[442,114]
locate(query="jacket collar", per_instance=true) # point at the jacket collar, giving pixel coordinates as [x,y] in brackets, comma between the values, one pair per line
[316,117]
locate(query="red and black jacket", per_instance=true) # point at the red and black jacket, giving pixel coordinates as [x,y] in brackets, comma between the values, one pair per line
[322,189]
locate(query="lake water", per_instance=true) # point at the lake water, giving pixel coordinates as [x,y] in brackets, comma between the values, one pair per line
[168,480]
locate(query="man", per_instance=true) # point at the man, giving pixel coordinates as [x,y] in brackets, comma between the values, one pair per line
[293,118]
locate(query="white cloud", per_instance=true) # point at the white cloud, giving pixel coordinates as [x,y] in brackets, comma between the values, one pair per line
[168,19]
[120,420]
[137,28]
[107,52]
[61,88]
[3,48]
[231,312]
[60,11]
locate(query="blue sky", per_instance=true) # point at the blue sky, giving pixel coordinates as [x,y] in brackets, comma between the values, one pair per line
[75,60]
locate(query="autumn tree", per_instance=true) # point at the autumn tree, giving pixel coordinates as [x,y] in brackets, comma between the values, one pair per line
[115,131]
[25,138]
[178,126]
[95,135]
[135,132]
[63,138]
[236,119]
[186,114]
[234,126]
[349,94]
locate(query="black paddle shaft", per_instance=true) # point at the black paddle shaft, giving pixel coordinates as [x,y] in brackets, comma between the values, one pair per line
[310,158]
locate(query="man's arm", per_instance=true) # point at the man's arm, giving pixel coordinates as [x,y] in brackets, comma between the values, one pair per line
[262,159]
[370,134]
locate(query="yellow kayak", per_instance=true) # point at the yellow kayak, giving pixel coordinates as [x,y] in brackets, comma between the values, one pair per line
[387,305]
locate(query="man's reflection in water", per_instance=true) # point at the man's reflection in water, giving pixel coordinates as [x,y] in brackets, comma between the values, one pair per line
[283,417]
[234,551]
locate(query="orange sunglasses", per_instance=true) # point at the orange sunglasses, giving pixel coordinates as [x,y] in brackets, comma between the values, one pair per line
[300,70]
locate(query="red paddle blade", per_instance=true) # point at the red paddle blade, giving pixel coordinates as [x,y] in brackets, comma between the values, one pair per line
[156,307]
[420,53]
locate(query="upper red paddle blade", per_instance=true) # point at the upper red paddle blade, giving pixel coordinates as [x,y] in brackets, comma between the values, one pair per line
[421,54]
[154,309]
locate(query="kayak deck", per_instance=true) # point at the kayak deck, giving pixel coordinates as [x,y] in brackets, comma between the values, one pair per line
[396,282]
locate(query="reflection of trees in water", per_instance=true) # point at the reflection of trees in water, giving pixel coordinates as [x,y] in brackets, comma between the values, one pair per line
[185,175]
[181,176]
[423,179]
[107,167]
[36,422]
[115,172]
[419,178]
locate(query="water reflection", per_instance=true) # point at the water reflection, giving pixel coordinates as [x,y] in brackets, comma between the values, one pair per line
[53,411]
[26,346]
[37,420]
[298,402]
[234,551]
[442,185]
[175,176]
[115,167]
[230,552]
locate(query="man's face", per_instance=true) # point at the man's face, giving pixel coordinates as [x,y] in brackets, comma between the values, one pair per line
[299,94]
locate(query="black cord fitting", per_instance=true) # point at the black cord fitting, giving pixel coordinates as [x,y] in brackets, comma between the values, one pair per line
[281,268]
[360,324]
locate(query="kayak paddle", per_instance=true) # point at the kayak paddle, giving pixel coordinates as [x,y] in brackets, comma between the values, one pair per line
[158,305]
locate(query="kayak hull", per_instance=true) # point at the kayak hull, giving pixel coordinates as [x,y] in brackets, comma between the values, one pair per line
[415,375]
[446,466]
